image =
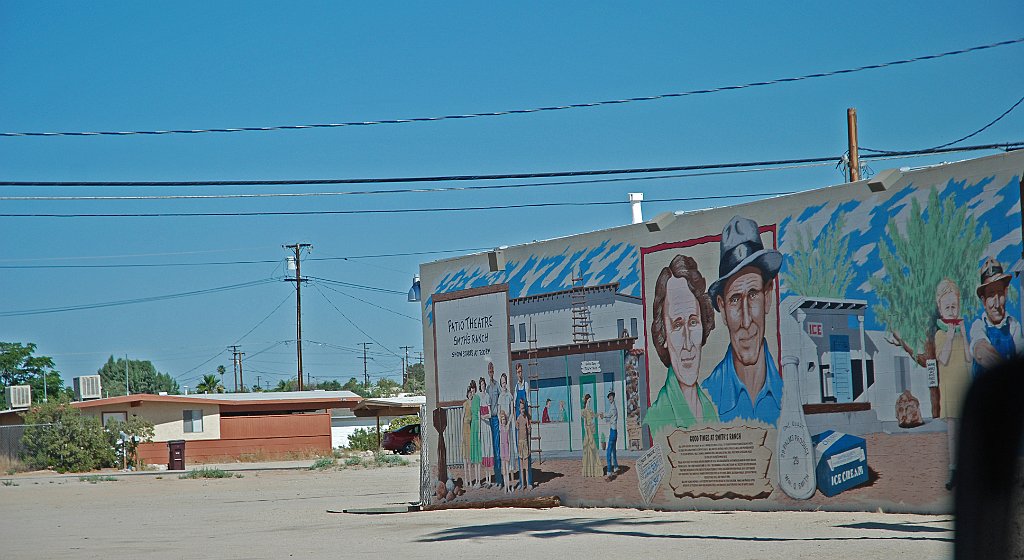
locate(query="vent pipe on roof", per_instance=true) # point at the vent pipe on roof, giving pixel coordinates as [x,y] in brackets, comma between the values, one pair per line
[635,199]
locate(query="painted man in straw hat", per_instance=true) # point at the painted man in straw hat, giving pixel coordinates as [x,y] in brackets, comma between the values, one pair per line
[746,384]
[996,336]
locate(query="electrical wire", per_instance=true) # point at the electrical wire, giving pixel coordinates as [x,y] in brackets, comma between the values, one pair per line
[224,263]
[537,109]
[418,190]
[357,286]
[381,307]
[378,210]
[498,176]
[263,320]
[962,138]
[358,328]
[47,310]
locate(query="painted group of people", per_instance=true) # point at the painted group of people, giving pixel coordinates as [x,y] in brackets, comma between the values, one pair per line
[591,460]
[496,432]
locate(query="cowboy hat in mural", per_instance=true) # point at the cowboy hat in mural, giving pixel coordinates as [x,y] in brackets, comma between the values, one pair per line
[996,336]
[746,384]
[741,246]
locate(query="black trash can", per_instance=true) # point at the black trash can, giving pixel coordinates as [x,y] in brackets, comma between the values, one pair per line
[176,455]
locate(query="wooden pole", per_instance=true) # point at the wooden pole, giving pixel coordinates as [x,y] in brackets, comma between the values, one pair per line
[851,132]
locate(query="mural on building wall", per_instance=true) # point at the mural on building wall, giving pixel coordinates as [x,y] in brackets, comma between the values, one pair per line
[784,357]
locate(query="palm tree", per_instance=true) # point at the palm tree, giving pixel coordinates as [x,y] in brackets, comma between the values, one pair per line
[209,384]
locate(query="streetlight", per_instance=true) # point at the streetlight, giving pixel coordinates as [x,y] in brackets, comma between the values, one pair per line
[414,291]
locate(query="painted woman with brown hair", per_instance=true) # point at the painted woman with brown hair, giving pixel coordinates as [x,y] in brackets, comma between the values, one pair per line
[591,462]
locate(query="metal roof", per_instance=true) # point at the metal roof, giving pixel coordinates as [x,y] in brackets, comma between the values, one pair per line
[277,396]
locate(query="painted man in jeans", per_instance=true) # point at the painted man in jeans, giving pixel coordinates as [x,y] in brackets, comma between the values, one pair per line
[611,414]
[493,393]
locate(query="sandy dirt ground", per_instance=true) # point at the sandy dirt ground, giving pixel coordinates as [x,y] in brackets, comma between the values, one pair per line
[282,514]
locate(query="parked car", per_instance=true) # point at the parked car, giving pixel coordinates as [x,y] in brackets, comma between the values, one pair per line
[404,440]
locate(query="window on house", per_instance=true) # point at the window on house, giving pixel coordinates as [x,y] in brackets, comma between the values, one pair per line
[108,417]
[511,333]
[632,326]
[192,420]
[620,327]
[522,332]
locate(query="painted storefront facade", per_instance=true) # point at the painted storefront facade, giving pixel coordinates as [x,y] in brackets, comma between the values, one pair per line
[802,352]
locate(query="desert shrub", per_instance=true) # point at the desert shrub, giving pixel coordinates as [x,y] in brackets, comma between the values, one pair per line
[59,437]
[363,439]
[353,461]
[323,463]
[388,460]
[206,472]
[94,478]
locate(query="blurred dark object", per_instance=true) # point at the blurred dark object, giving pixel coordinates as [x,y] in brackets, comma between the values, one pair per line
[988,465]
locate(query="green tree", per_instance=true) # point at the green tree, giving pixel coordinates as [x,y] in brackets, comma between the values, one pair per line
[209,384]
[414,379]
[940,242]
[138,429]
[142,378]
[18,366]
[363,439]
[385,388]
[355,386]
[59,437]
[403,421]
[821,265]
[285,385]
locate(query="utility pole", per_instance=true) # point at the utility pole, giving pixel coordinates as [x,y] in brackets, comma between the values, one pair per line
[420,354]
[405,366]
[257,381]
[235,364]
[297,261]
[851,134]
[127,389]
[241,381]
[366,375]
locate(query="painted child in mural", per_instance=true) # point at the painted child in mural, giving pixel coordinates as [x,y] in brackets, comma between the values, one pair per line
[995,336]
[467,428]
[493,395]
[486,449]
[562,412]
[503,443]
[591,466]
[954,360]
[682,319]
[510,459]
[523,442]
[746,384]
[522,402]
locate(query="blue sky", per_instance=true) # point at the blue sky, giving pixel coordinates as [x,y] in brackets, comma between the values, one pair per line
[116,66]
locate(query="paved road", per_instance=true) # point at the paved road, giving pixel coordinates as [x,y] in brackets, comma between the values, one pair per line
[283,513]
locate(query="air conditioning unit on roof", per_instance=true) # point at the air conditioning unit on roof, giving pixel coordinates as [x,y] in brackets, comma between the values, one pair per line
[87,387]
[18,396]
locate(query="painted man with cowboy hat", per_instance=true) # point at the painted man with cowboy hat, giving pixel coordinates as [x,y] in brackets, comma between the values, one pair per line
[746,384]
[995,336]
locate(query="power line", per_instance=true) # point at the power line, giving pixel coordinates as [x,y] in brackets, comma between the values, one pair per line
[417,319]
[962,138]
[381,211]
[358,328]
[224,263]
[417,190]
[537,109]
[356,286]
[500,176]
[46,310]
[263,320]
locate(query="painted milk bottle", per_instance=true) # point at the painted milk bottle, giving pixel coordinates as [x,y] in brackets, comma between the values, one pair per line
[795,452]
